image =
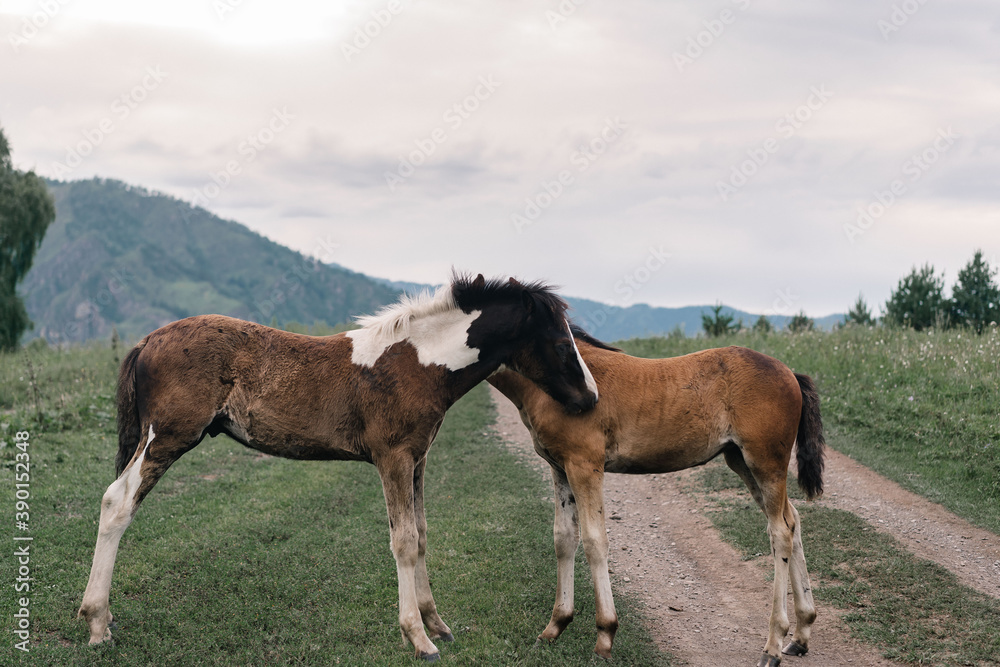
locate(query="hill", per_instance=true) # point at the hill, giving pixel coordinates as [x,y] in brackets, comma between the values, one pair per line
[613,323]
[123,256]
[640,320]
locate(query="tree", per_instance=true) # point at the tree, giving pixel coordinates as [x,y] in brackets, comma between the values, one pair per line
[718,324]
[917,301]
[859,313]
[26,211]
[801,322]
[763,325]
[975,298]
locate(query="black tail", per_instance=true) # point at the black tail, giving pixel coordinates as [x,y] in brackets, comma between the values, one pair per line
[129,430]
[810,442]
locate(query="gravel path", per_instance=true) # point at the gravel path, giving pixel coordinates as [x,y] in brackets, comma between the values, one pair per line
[925,528]
[706,606]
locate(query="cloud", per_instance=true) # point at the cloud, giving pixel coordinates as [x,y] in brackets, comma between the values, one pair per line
[414,92]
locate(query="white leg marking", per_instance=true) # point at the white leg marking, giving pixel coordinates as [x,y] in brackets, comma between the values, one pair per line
[117,508]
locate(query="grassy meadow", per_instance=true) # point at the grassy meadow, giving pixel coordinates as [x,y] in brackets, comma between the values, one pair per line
[239,559]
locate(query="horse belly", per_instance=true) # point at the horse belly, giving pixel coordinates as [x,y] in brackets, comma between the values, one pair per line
[653,456]
[296,443]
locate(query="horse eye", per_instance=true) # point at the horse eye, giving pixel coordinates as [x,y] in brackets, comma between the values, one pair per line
[563,350]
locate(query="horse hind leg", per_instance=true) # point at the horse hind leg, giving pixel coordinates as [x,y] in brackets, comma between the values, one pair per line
[805,609]
[769,491]
[118,507]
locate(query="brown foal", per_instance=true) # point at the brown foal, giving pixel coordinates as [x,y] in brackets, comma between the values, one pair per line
[663,415]
[375,394]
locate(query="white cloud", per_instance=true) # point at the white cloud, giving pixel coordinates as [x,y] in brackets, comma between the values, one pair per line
[656,184]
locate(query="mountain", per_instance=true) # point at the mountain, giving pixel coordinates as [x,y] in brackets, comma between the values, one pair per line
[613,323]
[122,256]
[641,320]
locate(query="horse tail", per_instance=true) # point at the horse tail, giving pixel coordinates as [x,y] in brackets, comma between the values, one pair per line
[810,442]
[129,430]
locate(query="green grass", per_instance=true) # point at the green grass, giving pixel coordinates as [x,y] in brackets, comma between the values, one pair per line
[913,610]
[922,409]
[234,559]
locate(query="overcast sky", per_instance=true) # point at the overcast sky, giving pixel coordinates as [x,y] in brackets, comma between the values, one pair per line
[774,156]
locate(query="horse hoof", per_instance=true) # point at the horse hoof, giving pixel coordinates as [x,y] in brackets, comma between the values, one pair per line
[795,648]
[429,657]
[446,637]
[769,661]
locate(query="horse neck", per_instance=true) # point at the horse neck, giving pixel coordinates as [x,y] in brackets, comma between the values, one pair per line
[511,384]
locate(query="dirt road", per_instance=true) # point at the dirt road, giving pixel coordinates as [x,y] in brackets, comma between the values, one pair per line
[706,606]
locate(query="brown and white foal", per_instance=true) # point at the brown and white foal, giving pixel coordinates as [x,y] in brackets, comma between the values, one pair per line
[663,415]
[375,394]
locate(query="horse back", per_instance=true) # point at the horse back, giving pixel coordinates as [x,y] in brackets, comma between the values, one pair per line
[281,393]
[662,415]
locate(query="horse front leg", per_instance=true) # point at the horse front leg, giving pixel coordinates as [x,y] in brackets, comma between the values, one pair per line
[396,470]
[587,481]
[566,535]
[425,600]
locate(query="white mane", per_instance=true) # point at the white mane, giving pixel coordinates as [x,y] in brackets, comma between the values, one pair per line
[392,323]
[435,326]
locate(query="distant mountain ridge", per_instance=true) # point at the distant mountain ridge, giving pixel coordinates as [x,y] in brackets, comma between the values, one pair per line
[123,256]
[613,323]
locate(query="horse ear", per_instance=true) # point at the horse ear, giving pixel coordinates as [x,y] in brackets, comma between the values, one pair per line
[529,301]
[479,282]
[513,282]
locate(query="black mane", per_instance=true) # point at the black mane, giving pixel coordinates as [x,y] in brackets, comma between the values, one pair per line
[580,334]
[471,295]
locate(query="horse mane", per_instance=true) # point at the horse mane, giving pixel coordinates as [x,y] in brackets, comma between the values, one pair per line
[393,321]
[471,293]
[580,334]
[467,293]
